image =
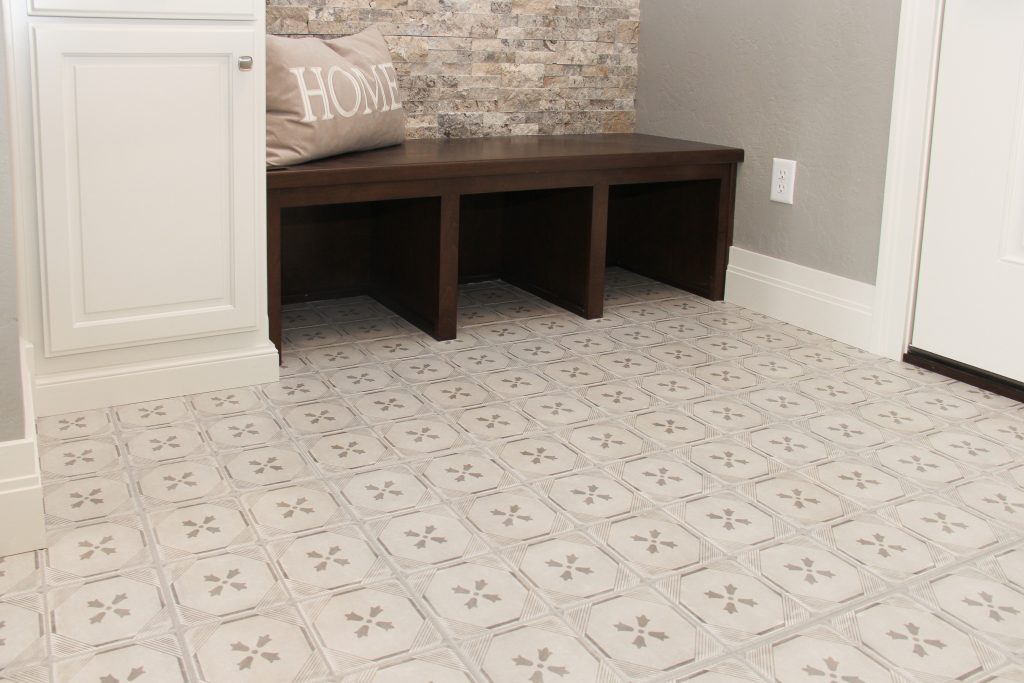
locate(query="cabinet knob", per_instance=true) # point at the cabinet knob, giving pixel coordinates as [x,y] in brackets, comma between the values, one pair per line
[245,63]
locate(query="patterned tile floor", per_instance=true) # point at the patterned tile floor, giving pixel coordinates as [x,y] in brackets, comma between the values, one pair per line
[681,491]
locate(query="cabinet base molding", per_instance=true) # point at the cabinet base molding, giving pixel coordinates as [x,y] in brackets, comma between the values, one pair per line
[119,385]
[21,487]
[21,502]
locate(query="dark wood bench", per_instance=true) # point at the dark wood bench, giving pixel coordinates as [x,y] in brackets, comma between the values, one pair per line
[406,224]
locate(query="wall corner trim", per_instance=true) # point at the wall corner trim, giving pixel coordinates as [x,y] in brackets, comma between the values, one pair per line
[21,488]
[821,302]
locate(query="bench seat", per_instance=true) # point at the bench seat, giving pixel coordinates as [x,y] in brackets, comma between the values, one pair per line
[406,224]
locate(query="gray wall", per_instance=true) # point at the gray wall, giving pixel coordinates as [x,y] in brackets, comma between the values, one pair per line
[809,80]
[11,410]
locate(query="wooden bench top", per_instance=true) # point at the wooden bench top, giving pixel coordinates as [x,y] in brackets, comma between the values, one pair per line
[453,158]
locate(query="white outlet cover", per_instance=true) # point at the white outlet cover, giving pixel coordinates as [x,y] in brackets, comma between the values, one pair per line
[783,180]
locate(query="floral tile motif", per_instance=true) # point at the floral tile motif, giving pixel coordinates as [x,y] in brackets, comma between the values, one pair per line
[73,425]
[223,585]
[946,525]
[21,572]
[297,389]
[820,578]
[79,458]
[292,509]
[239,431]
[923,465]
[317,418]
[643,635]
[731,461]
[883,547]
[542,652]
[152,413]
[569,568]
[164,443]
[994,499]
[327,560]
[201,528]
[800,501]
[265,465]
[255,648]
[463,474]
[681,490]
[471,597]
[981,603]
[182,481]
[654,543]
[426,537]
[386,490]
[732,603]
[109,610]
[95,549]
[147,662]
[861,482]
[912,638]
[21,638]
[540,457]
[510,516]
[87,498]
[592,495]
[348,450]
[819,654]
[226,402]
[369,624]
[729,521]
[661,478]
[420,436]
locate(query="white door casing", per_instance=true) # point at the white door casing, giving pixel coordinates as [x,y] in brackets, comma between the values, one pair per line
[147,197]
[972,256]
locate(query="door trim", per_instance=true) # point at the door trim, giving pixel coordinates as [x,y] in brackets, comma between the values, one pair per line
[906,178]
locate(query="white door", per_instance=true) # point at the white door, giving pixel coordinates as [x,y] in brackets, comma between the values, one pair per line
[148,185]
[971,284]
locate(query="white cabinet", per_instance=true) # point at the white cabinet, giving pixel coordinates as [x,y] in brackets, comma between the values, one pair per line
[140,160]
[146,164]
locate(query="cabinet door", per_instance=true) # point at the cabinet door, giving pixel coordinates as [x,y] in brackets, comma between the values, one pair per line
[149,170]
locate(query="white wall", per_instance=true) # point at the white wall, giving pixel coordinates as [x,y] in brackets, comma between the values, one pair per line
[12,419]
[810,80]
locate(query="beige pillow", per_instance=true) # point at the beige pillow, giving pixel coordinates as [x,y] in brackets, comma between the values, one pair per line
[327,97]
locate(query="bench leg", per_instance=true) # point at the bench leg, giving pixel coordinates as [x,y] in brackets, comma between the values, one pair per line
[448,269]
[415,261]
[597,249]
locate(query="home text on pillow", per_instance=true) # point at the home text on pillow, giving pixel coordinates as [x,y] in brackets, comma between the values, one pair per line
[348,85]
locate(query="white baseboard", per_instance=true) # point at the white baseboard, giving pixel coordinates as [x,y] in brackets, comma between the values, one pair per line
[831,305]
[21,488]
[113,386]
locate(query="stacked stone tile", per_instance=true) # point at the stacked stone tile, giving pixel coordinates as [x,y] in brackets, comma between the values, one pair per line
[472,68]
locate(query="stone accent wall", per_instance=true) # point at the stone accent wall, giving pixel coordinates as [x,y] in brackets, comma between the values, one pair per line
[470,68]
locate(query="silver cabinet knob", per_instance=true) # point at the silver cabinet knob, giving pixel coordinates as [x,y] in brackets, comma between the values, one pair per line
[245,63]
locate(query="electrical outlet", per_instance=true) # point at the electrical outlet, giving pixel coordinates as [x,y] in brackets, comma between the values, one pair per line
[783,180]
